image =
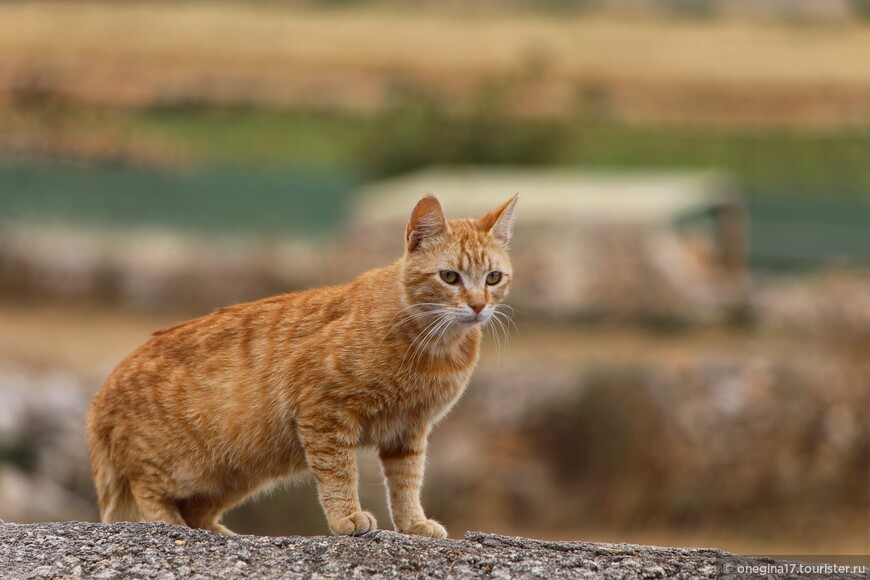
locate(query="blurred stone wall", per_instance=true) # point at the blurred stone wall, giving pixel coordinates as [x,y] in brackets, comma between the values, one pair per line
[149,270]
[44,473]
[710,435]
[583,272]
[778,416]
[708,440]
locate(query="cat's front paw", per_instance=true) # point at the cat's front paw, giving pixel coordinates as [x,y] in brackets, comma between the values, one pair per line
[426,528]
[353,525]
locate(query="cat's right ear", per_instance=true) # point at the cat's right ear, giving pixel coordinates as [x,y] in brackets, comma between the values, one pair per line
[427,221]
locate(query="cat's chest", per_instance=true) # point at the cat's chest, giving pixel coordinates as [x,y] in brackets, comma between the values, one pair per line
[435,392]
[409,400]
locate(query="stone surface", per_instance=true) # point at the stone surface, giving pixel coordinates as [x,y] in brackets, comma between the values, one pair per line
[156,550]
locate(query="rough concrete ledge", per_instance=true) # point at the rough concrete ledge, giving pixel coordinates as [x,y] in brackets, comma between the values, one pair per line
[154,550]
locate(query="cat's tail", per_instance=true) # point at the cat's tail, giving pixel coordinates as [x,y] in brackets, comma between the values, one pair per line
[115,497]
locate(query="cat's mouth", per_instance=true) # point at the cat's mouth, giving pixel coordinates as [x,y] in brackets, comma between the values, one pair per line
[474,319]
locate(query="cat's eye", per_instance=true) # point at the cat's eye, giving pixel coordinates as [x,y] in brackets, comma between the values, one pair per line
[493,278]
[450,276]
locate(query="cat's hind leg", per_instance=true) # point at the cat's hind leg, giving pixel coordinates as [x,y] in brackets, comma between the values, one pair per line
[115,498]
[154,506]
[205,512]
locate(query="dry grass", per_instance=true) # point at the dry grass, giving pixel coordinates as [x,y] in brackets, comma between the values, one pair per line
[136,53]
[90,340]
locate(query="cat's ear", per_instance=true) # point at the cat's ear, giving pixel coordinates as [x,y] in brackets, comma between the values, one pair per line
[500,223]
[427,221]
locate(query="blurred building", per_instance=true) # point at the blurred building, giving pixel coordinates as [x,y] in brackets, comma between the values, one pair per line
[586,244]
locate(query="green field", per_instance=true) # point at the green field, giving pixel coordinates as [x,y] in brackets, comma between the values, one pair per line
[276,172]
[217,199]
[252,137]
[764,161]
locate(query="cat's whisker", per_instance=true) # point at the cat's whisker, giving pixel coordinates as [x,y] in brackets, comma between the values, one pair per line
[499,325]
[504,316]
[436,334]
[410,306]
[420,349]
[440,331]
[450,322]
[444,321]
[420,334]
[497,320]
[497,354]
[415,305]
[505,326]
[509,317]
[507,333]
[494,331]
[416,316]
[411,317]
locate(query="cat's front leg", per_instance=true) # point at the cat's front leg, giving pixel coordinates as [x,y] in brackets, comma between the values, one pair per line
[333,463]
[403,462]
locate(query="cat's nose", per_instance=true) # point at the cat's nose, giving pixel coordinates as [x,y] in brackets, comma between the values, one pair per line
[477,306]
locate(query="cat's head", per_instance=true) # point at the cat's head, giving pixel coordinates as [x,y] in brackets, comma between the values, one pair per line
[459,266]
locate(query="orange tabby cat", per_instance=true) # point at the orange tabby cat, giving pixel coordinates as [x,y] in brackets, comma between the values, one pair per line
[214,409]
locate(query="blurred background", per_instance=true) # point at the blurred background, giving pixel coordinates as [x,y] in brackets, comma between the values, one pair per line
[689,365]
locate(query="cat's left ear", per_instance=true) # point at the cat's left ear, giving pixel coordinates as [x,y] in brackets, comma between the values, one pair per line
[427,221]
[500,223]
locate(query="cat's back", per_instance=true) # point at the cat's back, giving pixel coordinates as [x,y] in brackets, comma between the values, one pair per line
[228,341]
[247,342]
